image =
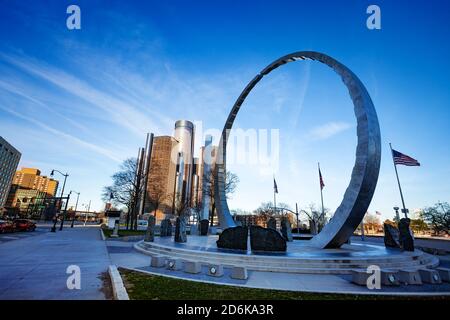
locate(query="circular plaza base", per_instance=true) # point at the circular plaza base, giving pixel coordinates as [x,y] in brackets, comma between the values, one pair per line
[299,257]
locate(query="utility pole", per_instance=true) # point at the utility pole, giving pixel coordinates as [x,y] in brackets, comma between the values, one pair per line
[62,192]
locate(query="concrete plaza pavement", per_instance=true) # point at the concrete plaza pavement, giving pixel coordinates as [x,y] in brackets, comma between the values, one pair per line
[431,243]
[34,267]
[122,254]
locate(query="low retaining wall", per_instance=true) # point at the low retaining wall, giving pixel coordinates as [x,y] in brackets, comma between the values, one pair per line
[119,291]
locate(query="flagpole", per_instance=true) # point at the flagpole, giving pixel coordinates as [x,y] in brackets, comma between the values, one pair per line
[274,196]
[398,181]
[321,193]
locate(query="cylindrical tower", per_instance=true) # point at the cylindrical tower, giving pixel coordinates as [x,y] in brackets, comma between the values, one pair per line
[184,134]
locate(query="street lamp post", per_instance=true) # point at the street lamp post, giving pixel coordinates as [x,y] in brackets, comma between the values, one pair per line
[88,207]
[62,193]
[397,216]
[65,211]
[65,178]
[76,206]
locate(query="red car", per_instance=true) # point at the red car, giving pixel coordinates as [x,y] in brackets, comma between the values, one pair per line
[24,225]
[6,226]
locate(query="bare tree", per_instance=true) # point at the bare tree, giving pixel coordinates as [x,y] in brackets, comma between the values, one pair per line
[317,218]
[268,208]
[438,216]
[182,208]
[124,189]
[121,192]
[231,182]
[371,223]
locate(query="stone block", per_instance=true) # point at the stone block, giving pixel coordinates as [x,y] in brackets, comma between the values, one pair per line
[444,273]
[286,230]
[360,277]
[192,267]
[266,239]
[409,276]
[272,223]
[233,238]
[150,232]
[166,228]
[430,276]
[180,230]
[158,261]
[239,273]
[215,270]
[389,278]
[406,235]
[391,236]
[204,226]
[174,264]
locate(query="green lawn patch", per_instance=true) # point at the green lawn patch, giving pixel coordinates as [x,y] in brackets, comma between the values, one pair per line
[141,286]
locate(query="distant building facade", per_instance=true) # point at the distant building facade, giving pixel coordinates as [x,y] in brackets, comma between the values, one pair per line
[9,160]
[29,190]
[175,175]
[30,178]
[161,178]
[28,200]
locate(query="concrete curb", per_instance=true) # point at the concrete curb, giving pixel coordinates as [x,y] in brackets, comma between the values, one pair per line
[132,238]
[119,291]
[102,234]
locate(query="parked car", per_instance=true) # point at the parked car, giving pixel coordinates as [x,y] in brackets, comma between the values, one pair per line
[24,225]
[6,226]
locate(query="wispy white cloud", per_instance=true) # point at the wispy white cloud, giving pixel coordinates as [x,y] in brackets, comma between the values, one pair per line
[21,93]
[328,130]
[92,147]
[122,112]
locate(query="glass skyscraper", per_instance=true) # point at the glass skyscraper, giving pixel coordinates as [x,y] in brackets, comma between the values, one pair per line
[9,160]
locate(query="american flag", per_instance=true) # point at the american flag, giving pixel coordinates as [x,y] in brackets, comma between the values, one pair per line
[400,158]
[378,213]
[321,180]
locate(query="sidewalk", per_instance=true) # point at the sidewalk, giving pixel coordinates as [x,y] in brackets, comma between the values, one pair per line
[123,254]
[35,267]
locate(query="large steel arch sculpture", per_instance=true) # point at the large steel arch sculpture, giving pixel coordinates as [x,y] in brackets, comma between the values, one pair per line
[365,172]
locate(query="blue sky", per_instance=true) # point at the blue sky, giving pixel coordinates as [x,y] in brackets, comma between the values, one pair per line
[81,101]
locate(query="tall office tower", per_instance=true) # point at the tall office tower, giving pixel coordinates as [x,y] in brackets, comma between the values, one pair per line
[30,178]
[9,160]
[162,177]
[184,134]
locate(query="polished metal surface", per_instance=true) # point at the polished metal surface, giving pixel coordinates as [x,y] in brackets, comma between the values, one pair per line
[184,134]
[365,172]
[184,123]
